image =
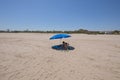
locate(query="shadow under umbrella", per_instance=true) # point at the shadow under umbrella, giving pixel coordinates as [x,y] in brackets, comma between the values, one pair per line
[60,47]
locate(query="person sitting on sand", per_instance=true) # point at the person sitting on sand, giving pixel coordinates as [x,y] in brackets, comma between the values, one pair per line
[65,45]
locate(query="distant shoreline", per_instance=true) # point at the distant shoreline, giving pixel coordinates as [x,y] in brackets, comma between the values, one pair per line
[80,31]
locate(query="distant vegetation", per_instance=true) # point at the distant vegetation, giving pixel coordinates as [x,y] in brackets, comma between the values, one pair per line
[83,31]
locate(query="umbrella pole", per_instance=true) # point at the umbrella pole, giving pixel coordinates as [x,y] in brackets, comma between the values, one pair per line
[60,41]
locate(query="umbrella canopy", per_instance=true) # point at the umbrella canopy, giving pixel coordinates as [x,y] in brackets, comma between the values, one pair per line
[60,36]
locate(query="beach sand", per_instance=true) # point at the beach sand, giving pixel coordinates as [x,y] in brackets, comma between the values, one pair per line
[29,56]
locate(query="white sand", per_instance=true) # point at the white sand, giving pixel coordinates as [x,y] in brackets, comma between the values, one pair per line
[30,57]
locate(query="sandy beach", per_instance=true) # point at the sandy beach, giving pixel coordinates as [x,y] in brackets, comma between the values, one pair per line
[29,56]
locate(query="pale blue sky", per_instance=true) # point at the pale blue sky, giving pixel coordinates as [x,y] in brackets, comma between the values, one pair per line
[60,14]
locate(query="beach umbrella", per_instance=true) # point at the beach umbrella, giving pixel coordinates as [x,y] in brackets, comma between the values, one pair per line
[60,36]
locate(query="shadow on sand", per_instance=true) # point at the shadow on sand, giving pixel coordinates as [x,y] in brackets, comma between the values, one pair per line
[59,47]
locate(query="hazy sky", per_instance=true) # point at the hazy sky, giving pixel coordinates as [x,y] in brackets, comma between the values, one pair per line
[60,14]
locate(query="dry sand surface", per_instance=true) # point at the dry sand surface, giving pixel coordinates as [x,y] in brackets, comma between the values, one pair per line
[29,56]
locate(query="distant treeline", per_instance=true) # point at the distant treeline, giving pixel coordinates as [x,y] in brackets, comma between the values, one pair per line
[83,31]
